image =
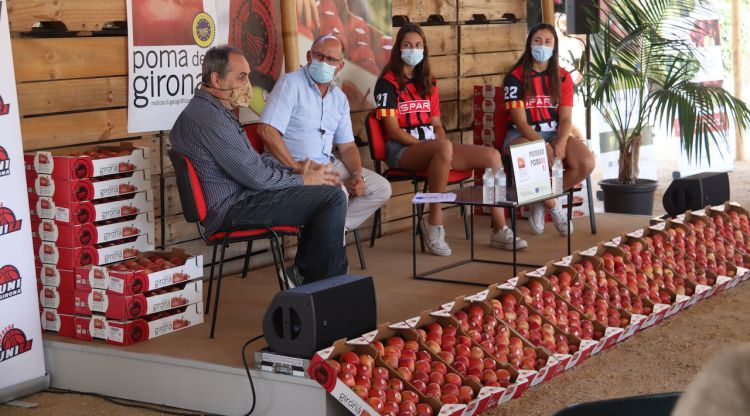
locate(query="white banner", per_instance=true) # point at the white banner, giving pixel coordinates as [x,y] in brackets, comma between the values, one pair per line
[21,356]
[167,40]
[531,170]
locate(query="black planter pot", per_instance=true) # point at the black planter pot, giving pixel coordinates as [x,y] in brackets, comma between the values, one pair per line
[635,199]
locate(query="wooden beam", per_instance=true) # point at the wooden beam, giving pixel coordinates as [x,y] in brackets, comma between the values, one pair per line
[78,15]
[737,69]
[72,95]
[419,10]
[76,128]
[491,9]
[492,38]
[68,58]
[289,35]
[548,11]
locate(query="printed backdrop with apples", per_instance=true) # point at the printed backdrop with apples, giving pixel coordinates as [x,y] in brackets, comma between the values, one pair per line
[21,356]
[167,39]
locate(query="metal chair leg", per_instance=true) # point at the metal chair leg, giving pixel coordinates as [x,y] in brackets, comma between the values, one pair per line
[592,216]
[467,229]
[218,290]
[359,250]
[210,282]
[374,233]
[278,261]
[247,258]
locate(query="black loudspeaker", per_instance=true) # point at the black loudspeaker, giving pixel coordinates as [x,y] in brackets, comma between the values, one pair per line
[580,14]
[310,317]
[695,192]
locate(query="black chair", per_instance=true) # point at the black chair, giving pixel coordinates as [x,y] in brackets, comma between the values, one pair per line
[194,210]
[660,404]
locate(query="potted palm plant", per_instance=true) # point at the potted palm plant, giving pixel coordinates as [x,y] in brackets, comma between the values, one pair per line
[642,70]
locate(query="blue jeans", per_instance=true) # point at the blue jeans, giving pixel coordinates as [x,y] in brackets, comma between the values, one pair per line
[513,134]
[321,210]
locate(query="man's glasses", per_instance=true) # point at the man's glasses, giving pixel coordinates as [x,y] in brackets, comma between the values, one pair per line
[325,58]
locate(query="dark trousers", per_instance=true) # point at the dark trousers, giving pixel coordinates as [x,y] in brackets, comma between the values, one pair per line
[320,210]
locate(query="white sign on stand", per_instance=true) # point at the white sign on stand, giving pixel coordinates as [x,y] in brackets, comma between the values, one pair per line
[531,170]
[21,357]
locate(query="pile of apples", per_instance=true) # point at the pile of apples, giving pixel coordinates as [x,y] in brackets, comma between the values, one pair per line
[610,290]
[149,264]
[658,276]
[373,384]
[102,153]
[429,376]
[637,282]
[741,227]
[468,359]
[531,326]
[690,243]
[675,260]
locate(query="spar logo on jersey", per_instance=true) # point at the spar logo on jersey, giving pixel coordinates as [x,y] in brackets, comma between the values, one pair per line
[537,101]
[10,282]
[4,108]
[13,342]
[8,223]
[414,106]
[4,162]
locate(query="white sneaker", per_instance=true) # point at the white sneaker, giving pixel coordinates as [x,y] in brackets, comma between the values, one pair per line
[560,220]
[536,219]
[503,239]
[435,238]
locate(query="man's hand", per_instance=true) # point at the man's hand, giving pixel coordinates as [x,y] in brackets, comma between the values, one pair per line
[356,185]
[321,175]
[312,165]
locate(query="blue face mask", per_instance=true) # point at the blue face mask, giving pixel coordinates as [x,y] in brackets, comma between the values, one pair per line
[321,72]
[541,53]
[412,57]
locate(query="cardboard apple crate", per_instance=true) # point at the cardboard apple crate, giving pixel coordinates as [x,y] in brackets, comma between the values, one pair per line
[405,331]
[487,395]
[657,314]
[84,212]
[50,275]
[131,282]
[71,236]
[91,163]
[565,360]
[142,329]
[520,379]
[122,307]
[635,320]
[53,299]
[731,232]
[604,336]
[70,258]
[320,371]
[66,191]
[53,321]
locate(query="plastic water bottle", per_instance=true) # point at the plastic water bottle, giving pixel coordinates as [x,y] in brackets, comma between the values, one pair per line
[501,183]
[557,177]
[488,187]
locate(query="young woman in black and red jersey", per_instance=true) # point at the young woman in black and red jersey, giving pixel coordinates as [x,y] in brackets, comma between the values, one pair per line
[408,104]
[539,102]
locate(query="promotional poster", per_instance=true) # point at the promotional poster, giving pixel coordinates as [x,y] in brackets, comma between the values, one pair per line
[21,355]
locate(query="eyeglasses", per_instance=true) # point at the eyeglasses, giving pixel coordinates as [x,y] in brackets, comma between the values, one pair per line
[325,58]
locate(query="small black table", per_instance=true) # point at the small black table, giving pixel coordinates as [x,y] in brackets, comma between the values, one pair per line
[472,196]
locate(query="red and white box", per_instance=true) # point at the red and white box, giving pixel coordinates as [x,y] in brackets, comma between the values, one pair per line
[185,267]
[50,275]
[322,372]
[152,326]
[53,321]
[124,307]
[65,191]
[70,236]
[101,161]
[70,258]
[84,212]
[53,299]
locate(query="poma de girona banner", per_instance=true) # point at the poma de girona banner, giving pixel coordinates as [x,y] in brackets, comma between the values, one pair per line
[167,40]
[22,369]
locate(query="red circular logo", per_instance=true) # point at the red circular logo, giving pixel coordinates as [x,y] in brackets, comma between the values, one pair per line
[12,338]
[8,274]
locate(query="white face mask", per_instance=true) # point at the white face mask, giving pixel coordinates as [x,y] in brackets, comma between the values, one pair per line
[541,53]
[412,57]
[321,72]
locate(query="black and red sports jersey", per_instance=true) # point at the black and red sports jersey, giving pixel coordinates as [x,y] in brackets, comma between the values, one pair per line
[541,113]
[411,108]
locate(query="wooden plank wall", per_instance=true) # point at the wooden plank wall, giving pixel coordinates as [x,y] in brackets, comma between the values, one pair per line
[73,91]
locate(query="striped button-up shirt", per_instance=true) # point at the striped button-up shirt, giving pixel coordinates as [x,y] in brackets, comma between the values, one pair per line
[229,168]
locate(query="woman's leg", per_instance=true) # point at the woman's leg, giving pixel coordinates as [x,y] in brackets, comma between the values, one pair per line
[469,157]
[435,157]
[579,162]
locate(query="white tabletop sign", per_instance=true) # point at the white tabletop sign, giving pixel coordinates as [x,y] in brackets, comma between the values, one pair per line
[531,170]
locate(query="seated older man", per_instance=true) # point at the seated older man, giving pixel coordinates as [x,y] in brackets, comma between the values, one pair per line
[239,184]
[306,114]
